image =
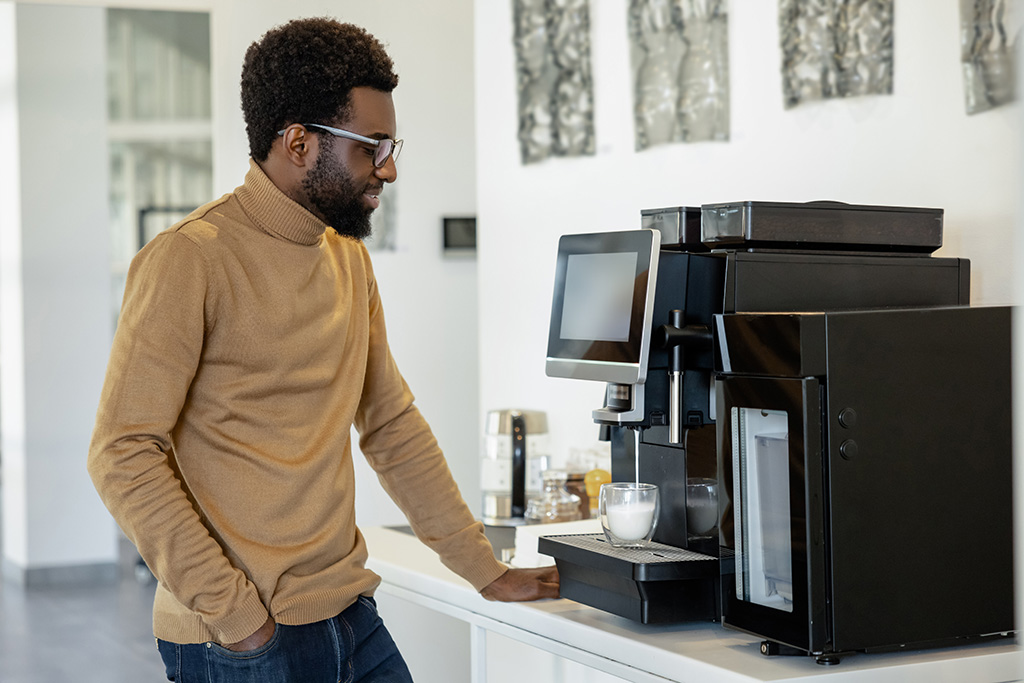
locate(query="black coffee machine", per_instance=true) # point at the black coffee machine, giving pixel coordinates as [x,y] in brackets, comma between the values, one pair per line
[638,310]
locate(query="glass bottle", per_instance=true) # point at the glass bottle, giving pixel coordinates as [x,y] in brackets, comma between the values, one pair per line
[555,504]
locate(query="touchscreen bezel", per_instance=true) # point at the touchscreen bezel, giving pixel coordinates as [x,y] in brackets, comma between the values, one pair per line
[594,359]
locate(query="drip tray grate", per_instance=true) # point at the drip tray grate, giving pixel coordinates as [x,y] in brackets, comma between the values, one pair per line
[655,562]
[652,553]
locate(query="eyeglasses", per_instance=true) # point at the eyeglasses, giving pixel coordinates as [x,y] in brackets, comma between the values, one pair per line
[385,147]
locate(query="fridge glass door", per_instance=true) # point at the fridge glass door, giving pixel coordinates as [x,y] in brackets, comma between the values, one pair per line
[770,535]
[763,533]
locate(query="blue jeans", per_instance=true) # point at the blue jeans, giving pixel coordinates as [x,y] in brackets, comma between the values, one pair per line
[353,646]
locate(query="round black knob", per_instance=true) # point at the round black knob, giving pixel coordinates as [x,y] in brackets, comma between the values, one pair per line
[848,418]
[848,449]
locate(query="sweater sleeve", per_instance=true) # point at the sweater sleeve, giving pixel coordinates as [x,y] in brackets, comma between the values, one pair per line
[401,448]
[155,354]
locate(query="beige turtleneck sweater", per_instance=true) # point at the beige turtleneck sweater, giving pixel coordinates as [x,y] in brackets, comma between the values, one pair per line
[251,339]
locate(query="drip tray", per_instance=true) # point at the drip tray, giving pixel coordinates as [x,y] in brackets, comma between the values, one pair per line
[657,584]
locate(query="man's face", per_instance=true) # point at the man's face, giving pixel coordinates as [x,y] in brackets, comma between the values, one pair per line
[343,187]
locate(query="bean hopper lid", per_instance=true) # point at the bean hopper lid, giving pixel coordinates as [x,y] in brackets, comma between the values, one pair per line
[821,226]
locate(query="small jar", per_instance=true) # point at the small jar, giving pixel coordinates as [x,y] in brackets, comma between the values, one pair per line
[575,485]
[555,503]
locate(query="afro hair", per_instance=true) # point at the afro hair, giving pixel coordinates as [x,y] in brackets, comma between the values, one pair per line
[304,72]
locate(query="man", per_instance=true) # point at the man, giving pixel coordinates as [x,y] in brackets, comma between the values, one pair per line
[251,339]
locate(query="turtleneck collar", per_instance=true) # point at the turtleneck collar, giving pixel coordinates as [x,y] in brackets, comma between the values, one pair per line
[274,212]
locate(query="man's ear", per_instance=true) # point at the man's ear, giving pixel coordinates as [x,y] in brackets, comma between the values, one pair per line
[298,145]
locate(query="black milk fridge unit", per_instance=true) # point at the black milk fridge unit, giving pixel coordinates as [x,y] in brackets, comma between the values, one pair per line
[865,464]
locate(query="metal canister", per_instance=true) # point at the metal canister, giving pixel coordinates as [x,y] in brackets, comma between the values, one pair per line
[515,454]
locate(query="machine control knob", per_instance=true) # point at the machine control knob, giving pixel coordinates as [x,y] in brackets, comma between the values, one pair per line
[848,418]
[848,449]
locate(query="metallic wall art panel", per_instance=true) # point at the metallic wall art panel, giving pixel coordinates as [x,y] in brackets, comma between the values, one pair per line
[988,52]
[679,51]
[835,48]
[556,94]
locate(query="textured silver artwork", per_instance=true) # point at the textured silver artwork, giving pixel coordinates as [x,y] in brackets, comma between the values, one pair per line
[556,100]
[987,53]
[680,58]
[835,48]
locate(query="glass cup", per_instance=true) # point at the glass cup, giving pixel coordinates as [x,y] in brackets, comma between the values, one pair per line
[701,508]
[629,513]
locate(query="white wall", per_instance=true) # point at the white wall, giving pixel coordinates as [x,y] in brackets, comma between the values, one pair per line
[916,147]
[12,348]
[56,286]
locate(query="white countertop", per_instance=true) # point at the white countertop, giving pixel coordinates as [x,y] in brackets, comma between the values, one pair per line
[692,652]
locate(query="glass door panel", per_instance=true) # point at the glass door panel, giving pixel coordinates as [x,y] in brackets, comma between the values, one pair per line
[769,461]
[763,535]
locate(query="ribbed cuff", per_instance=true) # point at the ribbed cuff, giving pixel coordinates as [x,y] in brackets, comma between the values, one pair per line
[241,623]
[482,572]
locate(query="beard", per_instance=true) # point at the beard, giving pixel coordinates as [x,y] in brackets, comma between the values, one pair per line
[334,197]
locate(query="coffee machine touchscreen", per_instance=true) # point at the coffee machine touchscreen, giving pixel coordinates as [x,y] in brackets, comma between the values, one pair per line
[601,310]
[598,296]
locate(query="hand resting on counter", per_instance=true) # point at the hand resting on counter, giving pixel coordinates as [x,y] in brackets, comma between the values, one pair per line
[520,585]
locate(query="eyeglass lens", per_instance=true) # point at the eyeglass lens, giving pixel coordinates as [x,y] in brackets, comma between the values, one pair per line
[385,149]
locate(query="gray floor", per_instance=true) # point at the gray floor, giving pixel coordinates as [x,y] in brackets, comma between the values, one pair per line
[84,634]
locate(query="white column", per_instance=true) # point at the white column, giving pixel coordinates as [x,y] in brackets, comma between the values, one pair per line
[55,289]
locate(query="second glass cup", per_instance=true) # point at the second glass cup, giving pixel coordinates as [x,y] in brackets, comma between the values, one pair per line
[629,513]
